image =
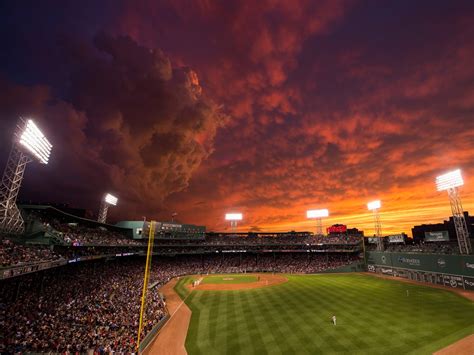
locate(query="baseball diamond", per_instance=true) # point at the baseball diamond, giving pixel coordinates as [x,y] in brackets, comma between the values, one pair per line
[240,177]
[294,317]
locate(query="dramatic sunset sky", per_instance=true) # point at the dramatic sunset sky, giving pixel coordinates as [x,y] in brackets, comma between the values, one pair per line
[266,107]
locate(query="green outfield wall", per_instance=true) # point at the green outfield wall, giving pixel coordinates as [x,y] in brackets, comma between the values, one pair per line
[446,264]
[355,267]
[456,271]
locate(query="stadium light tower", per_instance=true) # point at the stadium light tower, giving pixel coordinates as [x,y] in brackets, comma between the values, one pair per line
[233,218]
[29,144]
[450,182]
[375,206]
[318,216]
[108,200]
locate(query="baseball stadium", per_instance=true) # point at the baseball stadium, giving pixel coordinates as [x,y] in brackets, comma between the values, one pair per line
[236,177]
[76,285]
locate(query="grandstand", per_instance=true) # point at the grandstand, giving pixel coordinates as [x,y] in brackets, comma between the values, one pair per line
[84,277]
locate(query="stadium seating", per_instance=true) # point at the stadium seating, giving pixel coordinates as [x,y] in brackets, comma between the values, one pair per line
[94,306]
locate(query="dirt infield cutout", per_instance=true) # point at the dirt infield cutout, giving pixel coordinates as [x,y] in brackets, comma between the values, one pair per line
[264,280]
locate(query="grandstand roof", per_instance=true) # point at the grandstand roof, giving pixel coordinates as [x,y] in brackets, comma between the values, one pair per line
[72,218]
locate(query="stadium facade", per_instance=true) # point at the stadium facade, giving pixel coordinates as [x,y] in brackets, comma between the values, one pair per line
[58,243]
[423,232]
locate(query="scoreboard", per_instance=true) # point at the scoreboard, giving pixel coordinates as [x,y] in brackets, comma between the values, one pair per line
[337,228]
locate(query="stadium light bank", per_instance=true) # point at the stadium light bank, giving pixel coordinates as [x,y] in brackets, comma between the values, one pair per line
[318,215]
[29,144]
[374,206]
[450,182]
[108,200]
[233,218]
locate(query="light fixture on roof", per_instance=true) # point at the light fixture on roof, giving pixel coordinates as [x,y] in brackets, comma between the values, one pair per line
[29,144]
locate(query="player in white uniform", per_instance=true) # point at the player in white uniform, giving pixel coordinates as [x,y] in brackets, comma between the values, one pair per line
[334,320]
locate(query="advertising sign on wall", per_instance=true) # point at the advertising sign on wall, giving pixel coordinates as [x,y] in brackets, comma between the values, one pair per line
[396,238]
[453,281]
[441,236]
[441,263]
[469,283]
[337,228]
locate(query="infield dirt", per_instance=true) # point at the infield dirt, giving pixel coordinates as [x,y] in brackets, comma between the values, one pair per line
[264,280]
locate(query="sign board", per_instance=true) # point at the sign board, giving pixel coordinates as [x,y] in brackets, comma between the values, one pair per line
[468,283]
[337,228]
[438,263]
[453,281]
[439,236]
[396,238]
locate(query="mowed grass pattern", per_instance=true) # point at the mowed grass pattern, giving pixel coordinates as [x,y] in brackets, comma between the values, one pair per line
[229,279]
[374,316]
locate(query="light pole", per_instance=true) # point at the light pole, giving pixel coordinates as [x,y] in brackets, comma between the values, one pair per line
[108,200]
[450,182]
[318,216]
[374,206]
[29,144]
[233,218]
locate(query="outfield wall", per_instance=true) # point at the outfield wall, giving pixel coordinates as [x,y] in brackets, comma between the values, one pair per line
[455,271]
[354,267]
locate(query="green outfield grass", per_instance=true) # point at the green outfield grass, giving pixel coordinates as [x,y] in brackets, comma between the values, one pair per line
[228,279]
[374,316]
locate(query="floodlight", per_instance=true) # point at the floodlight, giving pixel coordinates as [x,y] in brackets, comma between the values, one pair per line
[35,142]
[317,213]
[374,205]
[233,216]
[111,199]
[28,144]
[449,180]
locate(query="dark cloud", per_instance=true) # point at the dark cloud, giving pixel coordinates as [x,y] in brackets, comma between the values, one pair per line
[146,125]
[332,103]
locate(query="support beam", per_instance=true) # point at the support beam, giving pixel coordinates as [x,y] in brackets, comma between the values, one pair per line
[378,230]
[104,207]
[11,220]
[319,226]
[459,221]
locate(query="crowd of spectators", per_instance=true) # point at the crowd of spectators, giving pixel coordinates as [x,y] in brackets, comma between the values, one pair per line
[80,241]
[14,254]
[425,247]
[282,240]
[94,306]
[78,235]
[78,308]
